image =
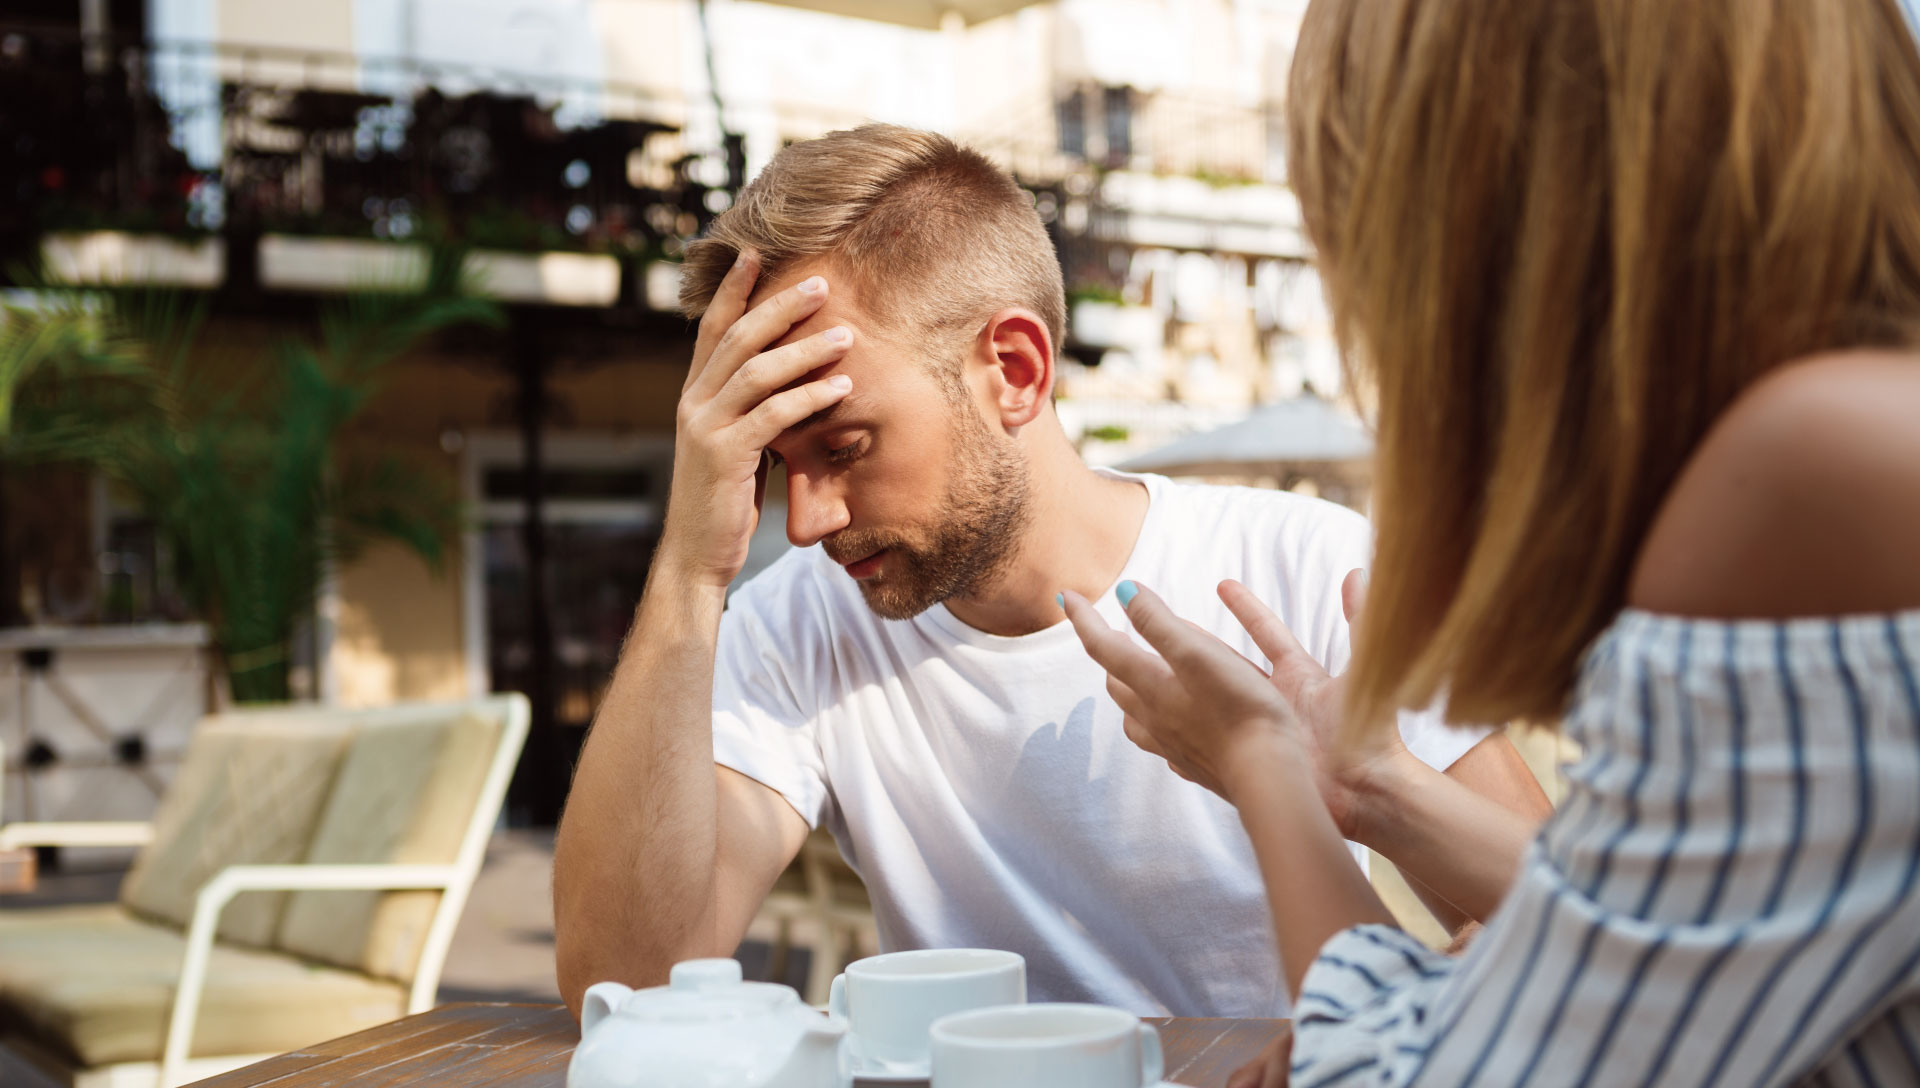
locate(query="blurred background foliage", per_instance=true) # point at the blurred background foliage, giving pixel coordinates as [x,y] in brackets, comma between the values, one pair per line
[235,454]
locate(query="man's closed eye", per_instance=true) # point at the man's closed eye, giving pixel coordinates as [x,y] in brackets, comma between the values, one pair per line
[848,453]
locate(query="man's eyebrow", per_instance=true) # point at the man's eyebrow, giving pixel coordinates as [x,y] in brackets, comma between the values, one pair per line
[824,415]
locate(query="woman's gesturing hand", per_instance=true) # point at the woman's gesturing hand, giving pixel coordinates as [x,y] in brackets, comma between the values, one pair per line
[1197,704]
[1199,699]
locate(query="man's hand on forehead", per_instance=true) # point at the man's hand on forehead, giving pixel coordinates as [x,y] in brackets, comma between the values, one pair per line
[743,392]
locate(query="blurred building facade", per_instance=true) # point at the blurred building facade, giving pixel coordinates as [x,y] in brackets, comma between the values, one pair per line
[271,154]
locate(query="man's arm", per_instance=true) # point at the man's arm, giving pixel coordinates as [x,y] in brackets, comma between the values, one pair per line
[660,855]
[1494,770]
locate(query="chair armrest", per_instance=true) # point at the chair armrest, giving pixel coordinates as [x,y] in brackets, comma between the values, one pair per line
[233,880]
[131,833]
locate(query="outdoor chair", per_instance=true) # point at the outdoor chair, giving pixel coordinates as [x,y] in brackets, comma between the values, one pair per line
[822,891]
[301,880]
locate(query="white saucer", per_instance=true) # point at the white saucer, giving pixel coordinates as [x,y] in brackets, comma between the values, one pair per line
[894,1077]
[892,1073]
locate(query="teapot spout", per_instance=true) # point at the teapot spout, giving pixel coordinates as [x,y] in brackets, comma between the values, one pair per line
[602,1000]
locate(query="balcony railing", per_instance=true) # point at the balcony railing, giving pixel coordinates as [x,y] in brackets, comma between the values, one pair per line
[236,144]
[199,139]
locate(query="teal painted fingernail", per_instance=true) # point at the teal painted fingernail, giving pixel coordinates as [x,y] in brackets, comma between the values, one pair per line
[1125,591]
[1061,600]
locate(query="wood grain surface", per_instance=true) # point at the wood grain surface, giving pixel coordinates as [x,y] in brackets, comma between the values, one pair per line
[527,1046]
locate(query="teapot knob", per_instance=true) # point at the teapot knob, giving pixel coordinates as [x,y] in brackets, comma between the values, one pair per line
[704,974]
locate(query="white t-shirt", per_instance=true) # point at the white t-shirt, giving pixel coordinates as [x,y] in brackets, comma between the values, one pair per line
[982,785]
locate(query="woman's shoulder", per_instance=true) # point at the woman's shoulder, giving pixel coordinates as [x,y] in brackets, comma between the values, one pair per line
[1804,499]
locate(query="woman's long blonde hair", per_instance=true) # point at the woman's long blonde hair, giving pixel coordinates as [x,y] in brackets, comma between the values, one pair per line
[1559,238]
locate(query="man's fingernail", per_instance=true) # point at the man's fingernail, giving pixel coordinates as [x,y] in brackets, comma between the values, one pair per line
[1366,576]
[813,285]
[837,335]
[1125,591]
[740,259]
[840,382]
[1061,600]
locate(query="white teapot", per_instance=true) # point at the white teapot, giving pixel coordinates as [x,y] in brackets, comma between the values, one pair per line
[706,1029]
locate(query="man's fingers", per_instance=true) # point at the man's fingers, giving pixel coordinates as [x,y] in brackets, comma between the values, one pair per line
[757,328]
[1269,1070]
[1269,633]
[784,409]
[1112,650]
[728,303]
[766,373]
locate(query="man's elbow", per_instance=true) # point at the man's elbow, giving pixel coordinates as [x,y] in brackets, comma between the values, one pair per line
[1495,769]
[585,954]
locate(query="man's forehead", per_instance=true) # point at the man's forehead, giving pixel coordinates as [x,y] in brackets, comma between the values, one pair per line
[793,272]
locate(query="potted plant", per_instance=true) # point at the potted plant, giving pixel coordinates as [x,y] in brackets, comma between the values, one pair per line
[238,460]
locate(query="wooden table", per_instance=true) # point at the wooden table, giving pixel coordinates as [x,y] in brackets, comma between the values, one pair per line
[527,1046]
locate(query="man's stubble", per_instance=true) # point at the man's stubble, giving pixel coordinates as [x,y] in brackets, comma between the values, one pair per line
[974,536]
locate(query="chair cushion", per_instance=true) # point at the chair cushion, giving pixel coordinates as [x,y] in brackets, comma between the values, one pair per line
[95,985]
[248,792]
[406,794]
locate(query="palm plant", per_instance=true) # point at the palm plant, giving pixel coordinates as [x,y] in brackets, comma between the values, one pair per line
[237,459]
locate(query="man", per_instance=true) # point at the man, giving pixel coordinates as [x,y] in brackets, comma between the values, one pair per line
[880,314]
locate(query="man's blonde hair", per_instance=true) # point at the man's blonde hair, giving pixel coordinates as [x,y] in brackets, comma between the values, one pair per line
[936,237]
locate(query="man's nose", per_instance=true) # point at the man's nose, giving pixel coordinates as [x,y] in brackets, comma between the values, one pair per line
[815,509]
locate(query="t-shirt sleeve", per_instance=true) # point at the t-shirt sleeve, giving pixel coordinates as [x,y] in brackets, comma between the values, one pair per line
[764,721]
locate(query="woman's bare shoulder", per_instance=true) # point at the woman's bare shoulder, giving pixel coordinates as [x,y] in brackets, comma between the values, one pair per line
[1804,500]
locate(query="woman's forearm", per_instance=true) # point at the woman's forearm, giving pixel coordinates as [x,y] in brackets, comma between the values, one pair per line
[1464,847]
[1313,886]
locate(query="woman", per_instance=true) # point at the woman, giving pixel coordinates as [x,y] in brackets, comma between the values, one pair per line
[1636,285]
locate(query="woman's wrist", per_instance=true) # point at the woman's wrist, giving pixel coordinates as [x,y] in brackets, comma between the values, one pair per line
[1376,794]
[1265,759]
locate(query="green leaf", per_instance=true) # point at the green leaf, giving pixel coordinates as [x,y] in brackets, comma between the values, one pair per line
[236,456]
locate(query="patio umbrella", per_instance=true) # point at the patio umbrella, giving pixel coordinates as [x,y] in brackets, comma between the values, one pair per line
[1274,440]
[925,14]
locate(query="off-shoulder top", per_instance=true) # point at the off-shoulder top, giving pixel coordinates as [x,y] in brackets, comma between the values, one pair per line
[1727,897]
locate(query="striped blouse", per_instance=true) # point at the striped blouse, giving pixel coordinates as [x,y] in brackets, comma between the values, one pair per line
[1728,897]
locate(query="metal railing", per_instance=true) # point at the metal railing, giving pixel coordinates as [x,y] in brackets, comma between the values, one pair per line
[197,137]
[187,137]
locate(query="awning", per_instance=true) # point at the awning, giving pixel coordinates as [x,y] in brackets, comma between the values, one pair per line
[1274,440]
[925,14]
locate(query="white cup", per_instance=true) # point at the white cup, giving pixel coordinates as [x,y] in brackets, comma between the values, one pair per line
[1045,1046]
[892,999]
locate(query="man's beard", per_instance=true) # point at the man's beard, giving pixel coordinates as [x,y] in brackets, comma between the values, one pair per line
[974,536]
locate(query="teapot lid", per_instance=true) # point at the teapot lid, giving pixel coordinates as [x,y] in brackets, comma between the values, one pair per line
[706,990]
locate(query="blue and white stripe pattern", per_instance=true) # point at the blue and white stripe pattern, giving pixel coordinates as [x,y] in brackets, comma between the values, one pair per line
[1729,896]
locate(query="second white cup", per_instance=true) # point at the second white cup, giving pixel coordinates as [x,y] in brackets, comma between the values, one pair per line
[890,1000]
[1045,1046]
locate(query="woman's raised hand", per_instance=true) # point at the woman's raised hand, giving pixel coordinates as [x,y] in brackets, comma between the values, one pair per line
[1198,704]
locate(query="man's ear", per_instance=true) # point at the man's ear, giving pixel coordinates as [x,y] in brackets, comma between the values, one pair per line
[1017,351]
